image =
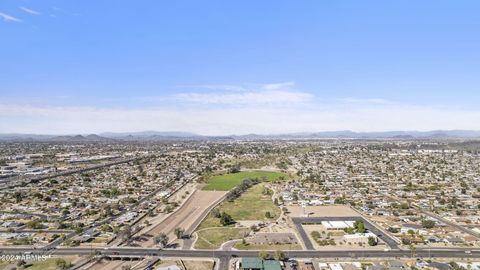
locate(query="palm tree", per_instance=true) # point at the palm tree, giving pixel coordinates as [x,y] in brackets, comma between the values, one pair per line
[179,232]
[279,255]
[126,233]
[263,254]
[161,239]
[412,248]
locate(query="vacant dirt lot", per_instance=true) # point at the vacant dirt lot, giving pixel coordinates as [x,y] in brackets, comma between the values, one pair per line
[322,211]
[185,217]
[199,265]
[195,264]
[115,265]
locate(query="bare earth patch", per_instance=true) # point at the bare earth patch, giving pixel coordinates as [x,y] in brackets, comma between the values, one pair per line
[185,217]
[323,211]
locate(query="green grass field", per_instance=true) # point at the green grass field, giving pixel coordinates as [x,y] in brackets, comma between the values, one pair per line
[251,205]
[48,264]
[3,265]
[213,238]
[209,222]
[226,182]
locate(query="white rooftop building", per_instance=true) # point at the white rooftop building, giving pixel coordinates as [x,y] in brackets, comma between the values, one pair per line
[337,225]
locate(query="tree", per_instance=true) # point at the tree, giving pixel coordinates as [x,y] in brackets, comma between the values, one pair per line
[372,241]
[404,206]
[316,235]
[393,229]
[263,254]
[428,224]
[216,213]
[168,209]
[412,249]
[279,255]
[18,196]
[107,211]
[125,233]
[226,219]
[35,224]
[339,201]
[161,239]
[93,254]
[179,232]
[359,226]
[151,213]
[62,264]
[295,196]
[268,214]
[455,266]
[406,241]
[235,168]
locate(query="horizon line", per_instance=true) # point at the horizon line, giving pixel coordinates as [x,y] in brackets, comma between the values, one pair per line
[236,134]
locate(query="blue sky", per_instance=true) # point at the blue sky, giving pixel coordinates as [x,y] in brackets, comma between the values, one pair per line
[223,67]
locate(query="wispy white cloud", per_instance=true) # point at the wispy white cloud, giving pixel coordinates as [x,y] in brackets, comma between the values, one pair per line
[218,120]
[267,94]
[276,86]
[214,110]
[365,100]
[242,88]
[246,98]
[29,11]
[8,18]
[217,87]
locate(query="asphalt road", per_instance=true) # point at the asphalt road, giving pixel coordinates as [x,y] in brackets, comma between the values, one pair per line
[16,181]
[317,220]
[450,223]
[220,254]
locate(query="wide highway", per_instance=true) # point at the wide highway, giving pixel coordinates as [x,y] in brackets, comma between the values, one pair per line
[221,254]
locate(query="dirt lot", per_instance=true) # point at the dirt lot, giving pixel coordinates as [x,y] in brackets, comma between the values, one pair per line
[198,265]
[114,265]
[322,211]
[272,238]
[185,217]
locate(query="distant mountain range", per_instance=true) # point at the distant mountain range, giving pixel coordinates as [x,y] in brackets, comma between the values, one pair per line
[173,135]
[150,135]
[54,138]
[347,134]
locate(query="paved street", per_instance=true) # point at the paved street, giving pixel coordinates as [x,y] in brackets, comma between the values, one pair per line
[450,223]
[359,253]
[16,181]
